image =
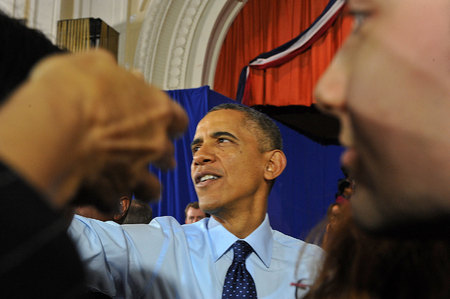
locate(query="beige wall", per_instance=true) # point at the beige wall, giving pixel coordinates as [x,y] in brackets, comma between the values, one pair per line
[136,16]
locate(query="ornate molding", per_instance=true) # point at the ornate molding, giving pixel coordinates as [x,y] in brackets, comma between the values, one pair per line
[180,41]
[187,23]
[149,35]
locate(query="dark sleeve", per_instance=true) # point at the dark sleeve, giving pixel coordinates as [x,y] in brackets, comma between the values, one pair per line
[37,258]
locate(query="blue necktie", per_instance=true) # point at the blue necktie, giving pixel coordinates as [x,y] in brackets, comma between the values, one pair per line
[238,281]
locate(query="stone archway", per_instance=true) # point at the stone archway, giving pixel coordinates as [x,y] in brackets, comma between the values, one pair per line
[180,41]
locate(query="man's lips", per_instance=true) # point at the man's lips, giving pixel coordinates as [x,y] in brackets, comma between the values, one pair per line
[204,177]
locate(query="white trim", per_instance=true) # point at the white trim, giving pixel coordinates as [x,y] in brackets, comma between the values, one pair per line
[180,41]
[149,40]
[223,21]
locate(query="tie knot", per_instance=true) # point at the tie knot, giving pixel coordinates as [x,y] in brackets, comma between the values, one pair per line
[241,250]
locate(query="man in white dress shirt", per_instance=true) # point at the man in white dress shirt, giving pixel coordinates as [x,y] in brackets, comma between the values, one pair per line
[237,155]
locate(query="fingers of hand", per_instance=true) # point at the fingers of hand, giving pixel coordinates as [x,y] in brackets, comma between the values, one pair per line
[145,136]
[179,120]
[104,189]
[147,188]
[72,64]
[144,131]
[124,124]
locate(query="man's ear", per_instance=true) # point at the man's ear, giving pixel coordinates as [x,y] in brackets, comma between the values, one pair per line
[275,165]
[125,202]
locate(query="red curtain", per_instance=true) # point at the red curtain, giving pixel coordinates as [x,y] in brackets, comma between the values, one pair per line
[263,25]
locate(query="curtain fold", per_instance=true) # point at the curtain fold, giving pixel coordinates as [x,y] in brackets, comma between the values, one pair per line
[263,25]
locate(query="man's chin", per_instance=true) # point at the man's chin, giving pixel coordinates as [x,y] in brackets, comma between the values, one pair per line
[386,217]
[366,210]
[208,204]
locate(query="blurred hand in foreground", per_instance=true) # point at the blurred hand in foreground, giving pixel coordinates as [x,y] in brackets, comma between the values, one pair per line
[83,127]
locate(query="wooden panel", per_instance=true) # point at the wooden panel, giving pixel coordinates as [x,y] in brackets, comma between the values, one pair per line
[79,35]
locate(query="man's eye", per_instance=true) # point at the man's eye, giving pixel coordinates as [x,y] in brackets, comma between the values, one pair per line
[195,149]
[222,140]
[359,17]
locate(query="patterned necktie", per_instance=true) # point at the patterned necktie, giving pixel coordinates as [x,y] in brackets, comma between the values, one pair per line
[238,281]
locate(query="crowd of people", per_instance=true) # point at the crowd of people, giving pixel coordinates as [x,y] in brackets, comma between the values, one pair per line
[77,130]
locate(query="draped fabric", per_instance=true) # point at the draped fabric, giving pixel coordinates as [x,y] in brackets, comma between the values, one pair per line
[291,49]
[264,25]
[300,196]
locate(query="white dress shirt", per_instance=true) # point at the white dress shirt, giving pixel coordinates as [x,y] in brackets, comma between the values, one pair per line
[164,259]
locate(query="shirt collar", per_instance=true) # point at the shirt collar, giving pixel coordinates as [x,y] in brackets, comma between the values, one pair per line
[260,239]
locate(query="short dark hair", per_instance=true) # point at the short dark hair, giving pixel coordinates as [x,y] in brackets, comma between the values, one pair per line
[342,185]
[139,213]
[268,133]
[22,48]
[193,205]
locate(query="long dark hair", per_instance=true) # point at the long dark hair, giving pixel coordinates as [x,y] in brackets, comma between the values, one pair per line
[359,265]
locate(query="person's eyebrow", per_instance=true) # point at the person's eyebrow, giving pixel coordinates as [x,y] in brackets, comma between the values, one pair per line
[221,133]
[214,135]
[196,141]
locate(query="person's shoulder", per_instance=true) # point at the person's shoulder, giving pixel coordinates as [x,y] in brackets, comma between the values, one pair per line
[196,233]
[170,223]
[196,227]
[165,222]
[291,243]
[160,228]
[295,250]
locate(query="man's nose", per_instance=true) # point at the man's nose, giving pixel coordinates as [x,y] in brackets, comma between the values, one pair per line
[203,155]
[330,92]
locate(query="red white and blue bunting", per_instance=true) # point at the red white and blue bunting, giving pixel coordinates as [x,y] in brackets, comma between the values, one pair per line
[289,50]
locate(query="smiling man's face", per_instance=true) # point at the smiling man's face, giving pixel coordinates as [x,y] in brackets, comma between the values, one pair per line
[228,167]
